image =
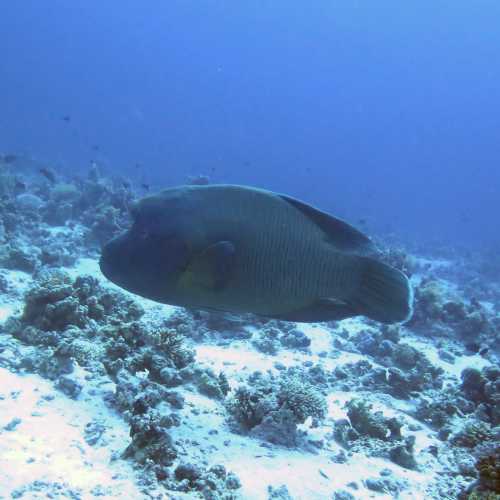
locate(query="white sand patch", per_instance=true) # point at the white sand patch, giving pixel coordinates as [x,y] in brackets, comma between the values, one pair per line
[234,359]
[18,282]
[321,337]
[83,266]
[239,359]
[7,310]
[18,279]
[48,444]
[63,230]
[390,408]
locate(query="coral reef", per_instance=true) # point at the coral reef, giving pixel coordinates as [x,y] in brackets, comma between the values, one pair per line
[482,388]
[93,341]
[371,431]
[213,483]
[487,486]
[372,424]
[441,311]
[150,440]
[438,408]
[273,408]
[78,322]
[398,258]
[408,371]
[472,433]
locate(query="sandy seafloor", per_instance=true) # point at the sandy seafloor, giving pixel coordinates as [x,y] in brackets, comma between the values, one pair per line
[42,430]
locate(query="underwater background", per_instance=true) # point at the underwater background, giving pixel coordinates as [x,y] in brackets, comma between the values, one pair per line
[382,111]
[385,114]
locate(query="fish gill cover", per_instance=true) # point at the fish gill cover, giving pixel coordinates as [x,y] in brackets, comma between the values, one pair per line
[370,130]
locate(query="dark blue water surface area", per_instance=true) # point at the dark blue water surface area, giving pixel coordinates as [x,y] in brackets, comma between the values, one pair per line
[385,111]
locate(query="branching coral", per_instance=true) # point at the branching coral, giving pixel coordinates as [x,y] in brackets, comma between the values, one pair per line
[301,398]
[272,408]
[487,487]
[472,433]
[373,432]
[370,423]
[483,389]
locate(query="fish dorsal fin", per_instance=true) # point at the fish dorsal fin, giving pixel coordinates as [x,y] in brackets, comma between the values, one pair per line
[340,234]
[212,268]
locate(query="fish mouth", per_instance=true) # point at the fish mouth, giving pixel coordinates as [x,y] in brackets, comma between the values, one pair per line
[105,267]
[109,262]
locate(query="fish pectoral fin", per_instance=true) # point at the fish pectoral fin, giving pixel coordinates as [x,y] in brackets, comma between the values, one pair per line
[212,268]
[340,234]
[323,309]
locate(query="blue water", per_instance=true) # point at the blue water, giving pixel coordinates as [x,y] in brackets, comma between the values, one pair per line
[387,111]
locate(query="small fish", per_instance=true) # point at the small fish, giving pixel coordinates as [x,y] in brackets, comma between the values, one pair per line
[48,174]
[484,351]
[145,186]
[464,217]
[473,347]
[126,185]
[362,222]
[19,186]
[198,180]
[66,118]
[8,158]
[324,474]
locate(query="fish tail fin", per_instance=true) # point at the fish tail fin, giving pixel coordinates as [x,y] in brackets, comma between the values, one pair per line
[384,293]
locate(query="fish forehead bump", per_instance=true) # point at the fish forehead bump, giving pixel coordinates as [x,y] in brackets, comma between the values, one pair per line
[188,200]
[187,197]
[166,200]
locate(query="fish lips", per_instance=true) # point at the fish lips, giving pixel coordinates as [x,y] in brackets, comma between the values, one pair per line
[135,264]
[114,261]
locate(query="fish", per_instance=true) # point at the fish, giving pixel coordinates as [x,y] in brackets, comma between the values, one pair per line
[484,351]
[19,186]
[473,347]
[48,174]
[145,186]
[8,158]
[199,180]
[240,249]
